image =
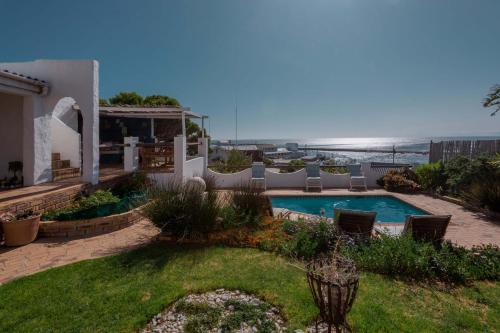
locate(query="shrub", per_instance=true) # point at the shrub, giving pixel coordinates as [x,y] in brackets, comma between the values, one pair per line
[460,172]
[137,182]
[236,161]
[308,239]
[246,207]
[100,203]
[431,176]
[404,257]
[183,210]
[401,181]
[293,165]
[484,188]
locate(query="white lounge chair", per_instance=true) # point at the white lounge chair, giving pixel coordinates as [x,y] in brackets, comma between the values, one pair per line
[259,175]
[358,179]
[313,180]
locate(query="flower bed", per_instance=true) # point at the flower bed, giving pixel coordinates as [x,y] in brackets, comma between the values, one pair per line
[94,226]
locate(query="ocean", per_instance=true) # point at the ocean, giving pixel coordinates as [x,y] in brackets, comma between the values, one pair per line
[411,146]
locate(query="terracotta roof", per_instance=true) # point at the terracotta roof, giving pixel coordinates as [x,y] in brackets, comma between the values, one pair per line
[24,78]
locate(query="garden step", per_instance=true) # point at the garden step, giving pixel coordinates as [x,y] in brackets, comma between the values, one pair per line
[56,156]
[60,164]
[59,174]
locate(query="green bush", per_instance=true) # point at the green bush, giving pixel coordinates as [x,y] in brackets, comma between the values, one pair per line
[459,173]
[308,239]
[400,181]
[99,203]
[137,182]
[246,207]
[407,258]
[431,176]
[183,210]
[484,187]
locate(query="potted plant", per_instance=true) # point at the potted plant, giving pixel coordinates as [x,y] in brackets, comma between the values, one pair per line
[20,229]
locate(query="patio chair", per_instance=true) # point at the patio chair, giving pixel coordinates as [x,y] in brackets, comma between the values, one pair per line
[313,180]
[357,178]
[355,223]
[258,175]
[427,228]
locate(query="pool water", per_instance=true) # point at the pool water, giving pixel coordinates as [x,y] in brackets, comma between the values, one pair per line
[388,208]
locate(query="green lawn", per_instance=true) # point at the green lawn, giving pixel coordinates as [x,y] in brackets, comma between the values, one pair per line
[121,293]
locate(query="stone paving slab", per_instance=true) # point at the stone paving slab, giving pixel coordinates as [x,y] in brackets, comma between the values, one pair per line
[46,253]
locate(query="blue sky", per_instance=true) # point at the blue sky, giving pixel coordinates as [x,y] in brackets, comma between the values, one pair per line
[298,69]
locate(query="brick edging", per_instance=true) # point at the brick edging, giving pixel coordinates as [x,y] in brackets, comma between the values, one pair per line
[95,226]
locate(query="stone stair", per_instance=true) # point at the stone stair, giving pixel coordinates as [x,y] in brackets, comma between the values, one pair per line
[61,169]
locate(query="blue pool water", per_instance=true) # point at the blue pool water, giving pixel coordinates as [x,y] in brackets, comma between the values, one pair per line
[389,209]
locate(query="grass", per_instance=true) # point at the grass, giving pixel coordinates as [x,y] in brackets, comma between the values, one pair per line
[122,293]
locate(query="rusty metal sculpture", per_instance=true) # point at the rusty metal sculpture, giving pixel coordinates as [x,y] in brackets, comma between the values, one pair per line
[334,283]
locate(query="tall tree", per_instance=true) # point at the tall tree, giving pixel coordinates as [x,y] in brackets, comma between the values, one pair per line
[127,98]
[156,100]
[492,100]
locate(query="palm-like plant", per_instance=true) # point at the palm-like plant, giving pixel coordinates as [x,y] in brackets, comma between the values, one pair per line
[492,100]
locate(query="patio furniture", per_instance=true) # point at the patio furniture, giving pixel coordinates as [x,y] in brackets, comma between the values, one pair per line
[427,228]
[313,180]
[354,223]
[357,178]
[258,175]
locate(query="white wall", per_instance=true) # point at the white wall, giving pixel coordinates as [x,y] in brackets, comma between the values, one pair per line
[295,179]
[230,180]
[65,141]
[78,79]
[194,167]
[11,131]
[330,180]
[162,178]
[372,174]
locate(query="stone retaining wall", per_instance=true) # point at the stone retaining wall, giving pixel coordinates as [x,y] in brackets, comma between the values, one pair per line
[56,199]
[95,226]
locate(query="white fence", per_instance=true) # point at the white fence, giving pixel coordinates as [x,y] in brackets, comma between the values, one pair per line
[297,179]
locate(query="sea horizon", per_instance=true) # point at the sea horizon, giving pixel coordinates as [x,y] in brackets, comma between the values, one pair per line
[412,146]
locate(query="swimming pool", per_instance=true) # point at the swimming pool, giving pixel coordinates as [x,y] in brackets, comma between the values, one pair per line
[388,208]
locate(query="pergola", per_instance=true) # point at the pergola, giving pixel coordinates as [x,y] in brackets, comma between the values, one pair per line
[152,113]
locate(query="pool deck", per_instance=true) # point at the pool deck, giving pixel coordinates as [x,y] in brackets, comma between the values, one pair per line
[466,228]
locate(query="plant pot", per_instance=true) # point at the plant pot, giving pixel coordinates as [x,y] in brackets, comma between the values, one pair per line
[333,284]
[21,232]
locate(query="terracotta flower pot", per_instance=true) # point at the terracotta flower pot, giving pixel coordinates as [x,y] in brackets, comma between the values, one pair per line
[21,232]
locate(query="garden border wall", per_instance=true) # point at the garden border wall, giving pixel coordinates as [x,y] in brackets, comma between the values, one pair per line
[95,226]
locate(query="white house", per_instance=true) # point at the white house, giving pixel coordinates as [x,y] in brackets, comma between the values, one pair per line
[38,118]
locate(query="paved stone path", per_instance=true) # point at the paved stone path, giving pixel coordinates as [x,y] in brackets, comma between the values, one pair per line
[466,228]
[52,252]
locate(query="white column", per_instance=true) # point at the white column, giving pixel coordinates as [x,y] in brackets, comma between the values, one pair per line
[130,154]
[179,157]
[90,115]
[203,151]
[37,143]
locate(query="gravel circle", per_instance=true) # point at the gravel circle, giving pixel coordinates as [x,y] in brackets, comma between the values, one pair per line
[228,311]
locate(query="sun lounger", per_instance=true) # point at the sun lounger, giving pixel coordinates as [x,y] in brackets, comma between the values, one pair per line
[357,178]
[355,223]
[313,180]
[428,228]
[259,175]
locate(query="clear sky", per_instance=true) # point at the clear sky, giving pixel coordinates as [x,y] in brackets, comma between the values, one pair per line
[297,68]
